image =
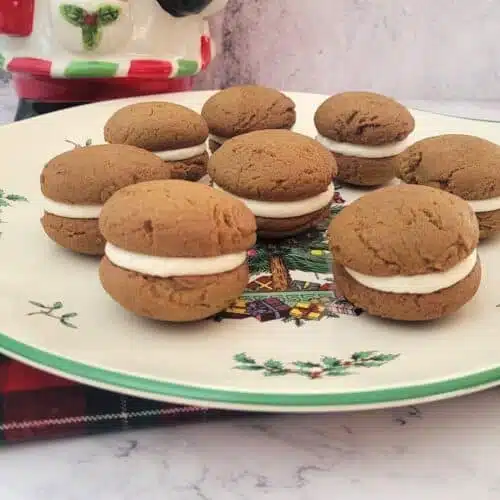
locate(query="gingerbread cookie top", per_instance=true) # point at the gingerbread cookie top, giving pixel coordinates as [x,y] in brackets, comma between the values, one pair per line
[177,218]
[156,126]
[272,165]
[247,108]
[464,165]
[90,175]
[364,118]
[404,230]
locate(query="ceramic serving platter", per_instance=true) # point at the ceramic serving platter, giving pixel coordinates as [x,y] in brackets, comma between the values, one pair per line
[291,343]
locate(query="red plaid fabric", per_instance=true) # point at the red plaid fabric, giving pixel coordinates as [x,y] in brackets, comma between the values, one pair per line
[35,405]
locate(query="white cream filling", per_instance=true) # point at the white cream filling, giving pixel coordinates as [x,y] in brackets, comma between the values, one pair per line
[165,267]
[287,209]
[71,211]
[182,154]
[218,139]
[361,151]
[420,284]
[487,205]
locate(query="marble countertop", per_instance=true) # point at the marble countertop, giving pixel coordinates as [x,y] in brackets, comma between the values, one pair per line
[436,451]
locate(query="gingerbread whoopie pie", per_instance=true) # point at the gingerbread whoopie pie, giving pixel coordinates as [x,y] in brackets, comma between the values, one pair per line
[283,177]
[246,108]
[366,132]
[176,251]
[406,253]
[464,165]
[174,133]
[76,184]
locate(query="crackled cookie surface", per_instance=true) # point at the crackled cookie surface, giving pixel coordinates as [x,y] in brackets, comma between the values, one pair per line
[406,252]
[175,251]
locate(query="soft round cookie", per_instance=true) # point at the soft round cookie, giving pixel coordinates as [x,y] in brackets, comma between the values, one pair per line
[176,251]
[284,178]
[77,183]
[464,165]
[246,108]
[365,132]
[406,253]
[176,134]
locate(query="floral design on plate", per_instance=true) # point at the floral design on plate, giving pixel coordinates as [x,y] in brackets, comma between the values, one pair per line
[327,366]
[53,311]
[7,199]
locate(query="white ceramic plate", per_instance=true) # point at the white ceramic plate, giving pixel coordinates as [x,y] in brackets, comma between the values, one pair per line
[55,316]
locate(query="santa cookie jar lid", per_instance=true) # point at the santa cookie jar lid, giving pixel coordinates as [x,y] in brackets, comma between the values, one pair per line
[106,38]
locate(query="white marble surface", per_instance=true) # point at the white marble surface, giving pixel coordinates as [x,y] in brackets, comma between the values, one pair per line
[446,450]
[437,451]
[416,49]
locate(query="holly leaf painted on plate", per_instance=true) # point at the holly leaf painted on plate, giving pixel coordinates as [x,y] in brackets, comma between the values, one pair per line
[337,372]
[15,197]
[73,14]
[57,305]
[243,358]
[108,14]
[250,368]
[330,362]
[359,356]
[306,364]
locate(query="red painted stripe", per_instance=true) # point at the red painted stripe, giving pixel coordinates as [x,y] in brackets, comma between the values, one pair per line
[206,51]
[31,65]
[148,68]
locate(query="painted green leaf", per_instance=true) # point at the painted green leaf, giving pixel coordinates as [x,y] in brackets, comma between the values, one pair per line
[384,357]
[66,323]
[331,362]
[336,373]
[250,368]
[273,365]
[276,373]
[91,37]
[4,203]
[108,14]
[243,358]
[358,356]
[69,315]
[88,142]
[306,364]
[38,304]
[73,14]
[57,305]
[15,197]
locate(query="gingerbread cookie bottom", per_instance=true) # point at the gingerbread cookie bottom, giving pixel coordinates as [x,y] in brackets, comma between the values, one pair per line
[408,307]
[365,171]
[283,228]
[489,223]
[176,299]
[192,169]
[79,235]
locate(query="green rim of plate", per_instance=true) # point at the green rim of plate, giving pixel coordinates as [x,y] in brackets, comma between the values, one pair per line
[187,392]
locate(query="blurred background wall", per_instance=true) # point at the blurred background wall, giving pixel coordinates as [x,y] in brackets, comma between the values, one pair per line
[413,49]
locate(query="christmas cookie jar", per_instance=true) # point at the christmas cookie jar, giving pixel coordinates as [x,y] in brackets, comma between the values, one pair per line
[89,50]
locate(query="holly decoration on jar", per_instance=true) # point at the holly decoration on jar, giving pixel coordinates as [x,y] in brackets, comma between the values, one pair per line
[90,22]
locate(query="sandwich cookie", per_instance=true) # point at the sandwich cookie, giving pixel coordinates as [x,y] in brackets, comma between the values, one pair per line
[283,177]
[76,184]
[176,251]
[366,132]
[464,165]
[246,108]
[176,134]
[406,253]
